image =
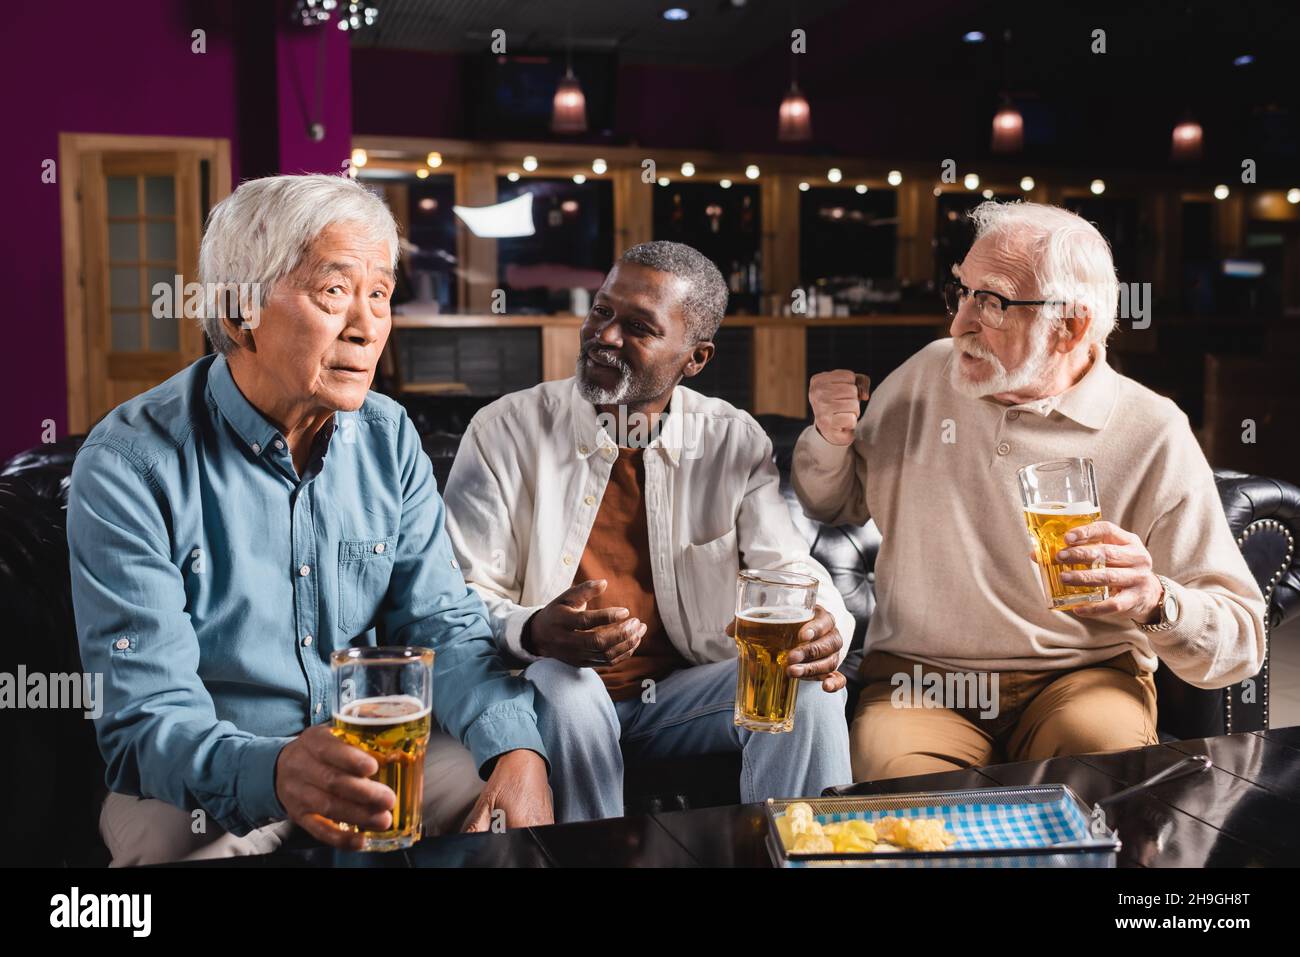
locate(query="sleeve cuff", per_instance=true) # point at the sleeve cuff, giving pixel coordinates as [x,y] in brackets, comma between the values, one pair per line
[255,782]
[823,455]
[502,730]
[1188,634]
[512,634]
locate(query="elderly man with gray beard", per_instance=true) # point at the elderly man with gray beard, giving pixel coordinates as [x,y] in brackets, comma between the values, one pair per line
[604,519]
[232,527]
[933,460]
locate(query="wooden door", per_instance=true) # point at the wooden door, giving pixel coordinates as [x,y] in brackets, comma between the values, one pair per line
[131,248]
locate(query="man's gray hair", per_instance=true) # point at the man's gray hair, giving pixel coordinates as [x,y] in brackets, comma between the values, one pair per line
[260,233]
[705,303]
[1072,260]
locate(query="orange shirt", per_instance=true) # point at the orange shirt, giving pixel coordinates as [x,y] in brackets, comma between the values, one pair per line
[618,550]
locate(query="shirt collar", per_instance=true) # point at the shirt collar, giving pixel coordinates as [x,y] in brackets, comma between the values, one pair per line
[590,436]
[1089,401]
[249,424]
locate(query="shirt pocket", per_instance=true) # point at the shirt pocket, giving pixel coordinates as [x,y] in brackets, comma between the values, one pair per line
[365,566]
[708,586]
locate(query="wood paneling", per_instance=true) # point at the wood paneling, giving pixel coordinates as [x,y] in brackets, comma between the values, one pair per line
[559,350]
[476,185]
[780,223]
[780,386]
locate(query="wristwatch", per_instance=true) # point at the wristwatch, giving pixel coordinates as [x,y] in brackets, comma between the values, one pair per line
[1169,610]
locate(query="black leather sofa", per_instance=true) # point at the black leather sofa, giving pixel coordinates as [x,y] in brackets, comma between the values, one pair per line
[49,811]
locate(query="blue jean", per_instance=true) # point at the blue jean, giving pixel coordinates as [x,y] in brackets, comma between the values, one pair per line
[692,713]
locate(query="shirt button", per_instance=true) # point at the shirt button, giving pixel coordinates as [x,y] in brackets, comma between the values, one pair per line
[610,453]
[304,570]
[582,450]
[1003,449]
[279,444]
[455,564]
[306,639]
[590,500]
[257,447]
[1013,416]
[568,559]
[122,644]
[318,707]
[379,548]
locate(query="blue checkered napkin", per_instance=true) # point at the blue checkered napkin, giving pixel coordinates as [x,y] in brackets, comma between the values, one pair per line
[993,826]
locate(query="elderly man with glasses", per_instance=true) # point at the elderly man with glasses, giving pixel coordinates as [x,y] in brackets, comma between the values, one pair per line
[965,663]
[233,526]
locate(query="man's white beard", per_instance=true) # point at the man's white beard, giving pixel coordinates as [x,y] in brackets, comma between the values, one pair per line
[630,389]
[1001,380]
[600,395]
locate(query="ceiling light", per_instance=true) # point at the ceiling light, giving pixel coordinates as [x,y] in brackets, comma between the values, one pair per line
[1097,186]
[1187,140]
[569,108]
[751,171]
[676,14]
[860,188]
[433,160]
[688,169]
[794,119]
[971,181]
[530,163]
[803,187]
[579,178]
[359,158]
[894,177]
[973,36]
[725,183]
[1026,183]
[1221,192]
[598,166]
[834,175]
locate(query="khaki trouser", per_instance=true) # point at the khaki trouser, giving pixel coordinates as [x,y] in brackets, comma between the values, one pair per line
[141,831]
[1040,714]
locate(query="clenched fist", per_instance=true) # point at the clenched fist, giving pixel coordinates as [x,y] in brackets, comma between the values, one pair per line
[835,397]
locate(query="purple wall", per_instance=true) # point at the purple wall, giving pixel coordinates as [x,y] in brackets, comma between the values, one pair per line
[301,56]
[130,70]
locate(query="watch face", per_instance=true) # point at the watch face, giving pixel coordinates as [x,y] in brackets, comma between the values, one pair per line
[1171,607]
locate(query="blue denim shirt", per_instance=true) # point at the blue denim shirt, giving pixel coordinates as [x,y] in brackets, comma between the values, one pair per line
[210,584]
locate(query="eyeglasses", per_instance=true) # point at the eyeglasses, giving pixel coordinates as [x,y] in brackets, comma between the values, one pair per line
[990,306]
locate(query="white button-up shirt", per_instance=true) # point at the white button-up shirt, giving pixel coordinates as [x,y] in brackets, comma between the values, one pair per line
[527,485]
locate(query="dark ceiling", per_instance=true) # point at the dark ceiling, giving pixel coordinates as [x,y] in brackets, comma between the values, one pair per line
[720,32]
[898,79]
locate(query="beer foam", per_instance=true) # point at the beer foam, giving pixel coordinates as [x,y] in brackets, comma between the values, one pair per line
[1063,508]
[388,708]
[776,616]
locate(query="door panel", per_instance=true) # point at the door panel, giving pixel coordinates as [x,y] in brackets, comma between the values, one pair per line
[140,233]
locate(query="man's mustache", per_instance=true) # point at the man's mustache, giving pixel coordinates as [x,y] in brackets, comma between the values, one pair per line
[973,348]
[608,356]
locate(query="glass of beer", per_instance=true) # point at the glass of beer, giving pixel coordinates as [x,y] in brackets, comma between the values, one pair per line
[771,607]
[1058,496]
[382,704]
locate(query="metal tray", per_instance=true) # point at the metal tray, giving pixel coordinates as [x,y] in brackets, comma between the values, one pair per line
[1041,826]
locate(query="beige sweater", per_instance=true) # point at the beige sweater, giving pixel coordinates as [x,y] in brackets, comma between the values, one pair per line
[954,582]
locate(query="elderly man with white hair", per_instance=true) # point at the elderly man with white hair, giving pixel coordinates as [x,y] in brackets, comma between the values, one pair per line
[232,527]
[934,460]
